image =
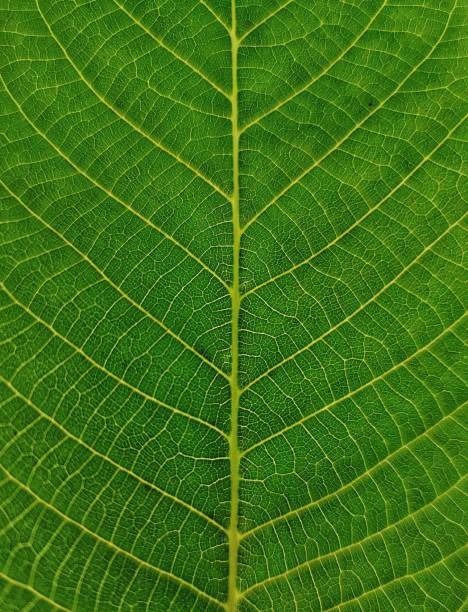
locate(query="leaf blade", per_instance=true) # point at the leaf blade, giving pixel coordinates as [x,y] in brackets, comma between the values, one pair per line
[232,308]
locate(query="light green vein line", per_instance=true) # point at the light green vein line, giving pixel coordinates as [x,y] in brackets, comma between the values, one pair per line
[122,293]
[107,372]
[234,456]
[109,193]
[32,590]
[364,305]
[108,459]
[296,512]
[263,21]
[424,160]
[353,545]
[382,587]
[137,560]
[126,119]
[163,44]
[358,389]
[356,127]
[18,518]
[215,15]
[309,83]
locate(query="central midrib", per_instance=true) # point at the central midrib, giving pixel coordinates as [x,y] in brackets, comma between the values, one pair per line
[233,533]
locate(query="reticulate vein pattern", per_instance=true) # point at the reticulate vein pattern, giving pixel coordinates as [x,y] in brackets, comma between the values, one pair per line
[232,305]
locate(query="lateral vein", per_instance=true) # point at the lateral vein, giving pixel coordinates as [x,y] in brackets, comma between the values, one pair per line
[107,372]
[108,459]
[108,280]
[424,251]
[255,26]
[215,15]
[109,193]
[353,545]
[347,135]
[164,45]
[397,187]
[126,119]
[354,392]
[137,560]
[384,585]
[31,589]
[297,92]
[296,512]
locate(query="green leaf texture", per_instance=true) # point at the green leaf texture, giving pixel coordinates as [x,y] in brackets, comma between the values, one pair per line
[231,317]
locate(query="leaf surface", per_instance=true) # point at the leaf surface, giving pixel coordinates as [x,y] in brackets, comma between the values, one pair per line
[232,305]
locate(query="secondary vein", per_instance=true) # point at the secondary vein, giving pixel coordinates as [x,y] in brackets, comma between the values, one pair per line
[118,466]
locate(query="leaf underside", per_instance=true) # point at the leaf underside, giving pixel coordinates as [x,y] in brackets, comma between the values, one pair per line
[232,306]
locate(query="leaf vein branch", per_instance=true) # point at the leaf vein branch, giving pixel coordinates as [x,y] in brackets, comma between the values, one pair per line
[108,459]
[364,305]
[357,223]
[126,119]
[109,193]
[358,389]
[215,15]
[385,585]
[163,44]
[318,76]
[31,589]
[263,21]
[110,282]
[347,135]
[296,512]
[107,372]
[354,545]
[137,560]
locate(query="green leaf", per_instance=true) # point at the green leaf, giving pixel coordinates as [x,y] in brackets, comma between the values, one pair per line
[231,316]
